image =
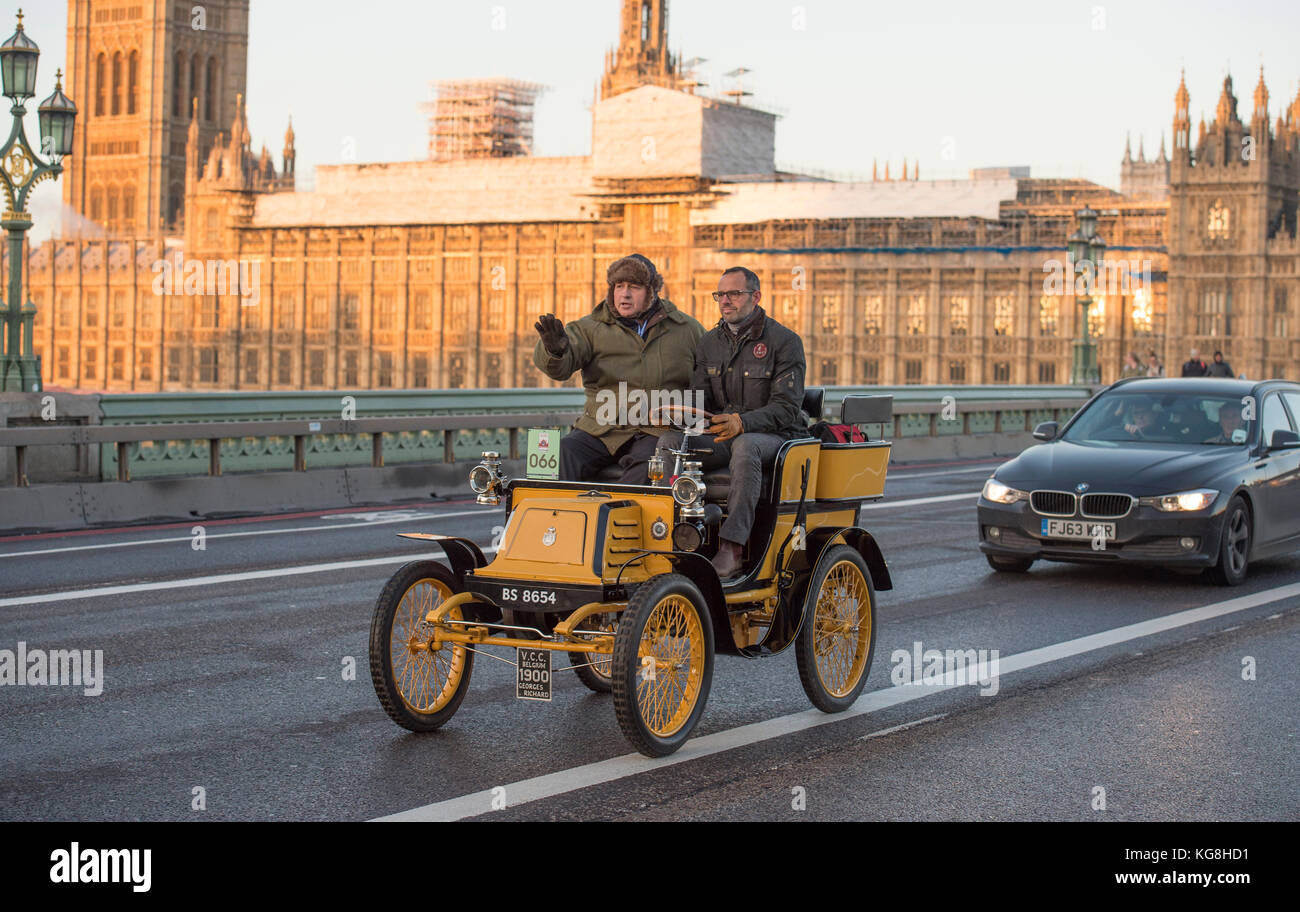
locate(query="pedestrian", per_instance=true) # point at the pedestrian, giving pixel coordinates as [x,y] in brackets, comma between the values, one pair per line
[1218,367]
[1195,367]
[1133,367]
[1155,367]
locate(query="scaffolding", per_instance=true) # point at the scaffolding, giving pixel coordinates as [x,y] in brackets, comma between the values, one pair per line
[481,118]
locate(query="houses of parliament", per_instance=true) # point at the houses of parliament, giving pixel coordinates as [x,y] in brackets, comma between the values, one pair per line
[431,273]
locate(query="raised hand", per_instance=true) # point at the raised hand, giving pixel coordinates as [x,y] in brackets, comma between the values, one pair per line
[551,329]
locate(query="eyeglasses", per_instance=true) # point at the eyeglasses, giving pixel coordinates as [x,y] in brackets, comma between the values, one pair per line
[732,296]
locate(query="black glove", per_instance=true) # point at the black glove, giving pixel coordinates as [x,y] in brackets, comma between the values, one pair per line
[552,332]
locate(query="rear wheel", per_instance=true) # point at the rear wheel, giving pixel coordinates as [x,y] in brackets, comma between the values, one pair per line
[419,688]
[1009,564]
[663,664]
[1234,545]
[595,669]
[838,634]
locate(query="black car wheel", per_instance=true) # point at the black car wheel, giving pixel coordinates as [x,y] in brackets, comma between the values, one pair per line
[1010,564]
[1234,546]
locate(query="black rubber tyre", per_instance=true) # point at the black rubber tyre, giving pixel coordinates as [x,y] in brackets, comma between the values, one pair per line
[1234,545]
[419,691]
[1009,564]
[595,669]
[663,649]
[833,662]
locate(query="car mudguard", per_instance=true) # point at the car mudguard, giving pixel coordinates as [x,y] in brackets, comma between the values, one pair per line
[859,540]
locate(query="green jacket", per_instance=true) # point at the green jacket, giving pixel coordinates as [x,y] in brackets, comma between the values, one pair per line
[608,352]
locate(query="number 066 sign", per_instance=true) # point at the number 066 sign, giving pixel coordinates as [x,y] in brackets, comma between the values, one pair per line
[543,454]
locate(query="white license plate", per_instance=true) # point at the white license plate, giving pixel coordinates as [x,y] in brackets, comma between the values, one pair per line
[1077,528]
[533,674]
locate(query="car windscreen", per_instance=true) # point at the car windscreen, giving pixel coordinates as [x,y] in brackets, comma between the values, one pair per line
[1144,418]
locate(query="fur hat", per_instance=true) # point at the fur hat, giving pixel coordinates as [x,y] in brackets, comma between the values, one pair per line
[637,270]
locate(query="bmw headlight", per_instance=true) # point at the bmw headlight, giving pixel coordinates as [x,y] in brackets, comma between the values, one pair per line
[997,492]
[686,490]
[1185,501]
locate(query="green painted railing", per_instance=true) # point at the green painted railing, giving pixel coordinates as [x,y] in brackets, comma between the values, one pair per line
[919,411]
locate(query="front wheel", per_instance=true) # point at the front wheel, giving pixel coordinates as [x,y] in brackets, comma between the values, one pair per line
[1010,564]
[838,635]
[663,664]
[1234,545]
[419,688]
[595,669]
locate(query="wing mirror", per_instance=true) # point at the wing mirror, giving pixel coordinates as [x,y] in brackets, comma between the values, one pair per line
[1284,440]
[1047,430]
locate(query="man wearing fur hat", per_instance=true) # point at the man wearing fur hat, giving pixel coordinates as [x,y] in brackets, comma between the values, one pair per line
[633,337]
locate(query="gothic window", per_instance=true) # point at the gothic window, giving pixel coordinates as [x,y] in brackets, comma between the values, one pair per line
[101,84]
[210,90]
[178,84]
[128,207]
[1002,372]
[385,378]
[284,313]
[1046,371]
[210,231]
[1003,315]
[661,218]
[113,211]
[97,204]
[117,84]
[351,371]
[1217,223]
[958,315]
[1097,318]
[144,362]
[873,314]
[829,370]
[320,315]
[174,356]
[1143,320]
[1214,314]
[956,371]
[912,370]
[175,200]
[1280,314]
[421,315]
[194,78]
[350,317]
[250,366]
[316,367]
[133,82]
[419,371]
[916,316]
[283,368]
[830,314]
[1049,315]
[208,365]
[386,311]
[871,371]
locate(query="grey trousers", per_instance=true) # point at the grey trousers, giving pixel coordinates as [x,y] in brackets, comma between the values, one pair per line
[746,455]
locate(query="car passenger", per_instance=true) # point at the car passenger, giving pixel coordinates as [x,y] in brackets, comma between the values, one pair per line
[1229,421]
[1141,424]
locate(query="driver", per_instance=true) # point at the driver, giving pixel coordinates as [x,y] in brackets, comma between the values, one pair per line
[1229,421]
[750,370]
[634,339]
[1141,422]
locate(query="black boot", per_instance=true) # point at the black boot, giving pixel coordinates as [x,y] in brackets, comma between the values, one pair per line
[728,559]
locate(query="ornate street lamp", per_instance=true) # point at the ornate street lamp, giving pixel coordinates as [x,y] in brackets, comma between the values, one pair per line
[1087,253]
[20,170]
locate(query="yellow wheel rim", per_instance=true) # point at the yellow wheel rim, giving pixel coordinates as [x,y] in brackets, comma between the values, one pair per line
[842,628]
[602,663]
[670,665]
[426,680]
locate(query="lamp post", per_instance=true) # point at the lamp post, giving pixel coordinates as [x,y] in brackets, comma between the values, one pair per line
[20,170]
[1087,252]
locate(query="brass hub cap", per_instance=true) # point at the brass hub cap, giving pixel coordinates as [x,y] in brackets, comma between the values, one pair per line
[426,678]
[670,665]
[842,628]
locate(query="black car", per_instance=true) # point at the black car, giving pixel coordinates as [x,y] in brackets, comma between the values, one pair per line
[1191,472]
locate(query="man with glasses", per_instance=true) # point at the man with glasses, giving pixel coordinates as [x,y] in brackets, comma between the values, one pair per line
[750,370]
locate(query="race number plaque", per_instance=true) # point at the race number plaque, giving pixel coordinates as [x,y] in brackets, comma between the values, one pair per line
[533,674]
[543,454]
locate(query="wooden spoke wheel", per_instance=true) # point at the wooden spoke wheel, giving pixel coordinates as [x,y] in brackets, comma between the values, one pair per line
[839,632]
[663,664]
[419,688]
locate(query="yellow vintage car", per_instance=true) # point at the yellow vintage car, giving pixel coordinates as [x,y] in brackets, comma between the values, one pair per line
[616,580]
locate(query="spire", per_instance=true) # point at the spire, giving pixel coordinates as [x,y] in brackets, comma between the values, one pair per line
[887,169]
[1200,137]
[1182,99]
[873,170]
[1261,98]
[916,170]
[1128,147]
[904,169]
[1226,111]
[288,134]
[290,154]
[1142,150]
[1163,156]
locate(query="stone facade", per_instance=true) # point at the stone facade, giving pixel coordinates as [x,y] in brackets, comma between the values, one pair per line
[431,274]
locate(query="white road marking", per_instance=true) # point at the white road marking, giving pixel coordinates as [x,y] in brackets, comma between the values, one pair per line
[900,474]
[917,501]
[903,727]
[217,580]
[405,518]
[564,781]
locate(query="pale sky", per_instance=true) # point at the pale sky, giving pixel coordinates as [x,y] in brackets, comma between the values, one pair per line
[955,84]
